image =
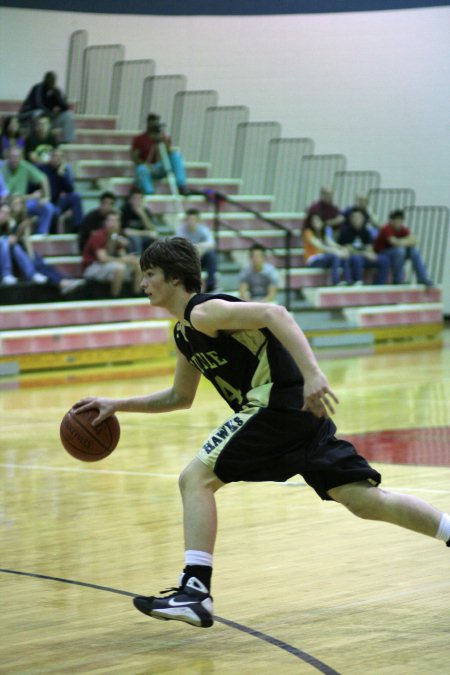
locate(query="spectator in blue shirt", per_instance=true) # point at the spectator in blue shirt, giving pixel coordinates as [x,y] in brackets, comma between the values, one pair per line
[202,238]
[259,281]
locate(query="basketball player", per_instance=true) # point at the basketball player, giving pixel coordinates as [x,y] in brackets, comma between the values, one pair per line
[260,362]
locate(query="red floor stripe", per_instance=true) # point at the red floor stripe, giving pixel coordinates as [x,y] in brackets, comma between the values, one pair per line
[429,446]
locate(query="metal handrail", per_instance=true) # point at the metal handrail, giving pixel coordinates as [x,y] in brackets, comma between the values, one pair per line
[218,198]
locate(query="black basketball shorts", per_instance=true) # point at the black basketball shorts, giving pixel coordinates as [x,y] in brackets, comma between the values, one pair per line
[261,444]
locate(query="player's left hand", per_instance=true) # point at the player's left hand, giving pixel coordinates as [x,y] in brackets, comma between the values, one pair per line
[105,406]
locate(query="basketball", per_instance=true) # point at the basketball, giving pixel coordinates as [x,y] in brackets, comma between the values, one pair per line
[85,442]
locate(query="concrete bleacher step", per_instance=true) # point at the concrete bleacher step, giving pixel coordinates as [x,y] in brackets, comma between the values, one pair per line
[231,241]
[104,136]
[76,313]
[343,339]
[122,186]
[318,320]
[10,106]
[75,152]
[394,315]
[278,257]
[55,244]
[106,122]
[161,201]
[66,245]
[237,217]
[94,122]
[61,339]
[94,169]
[69,265]
[304,277]
[371,295]
[229,209]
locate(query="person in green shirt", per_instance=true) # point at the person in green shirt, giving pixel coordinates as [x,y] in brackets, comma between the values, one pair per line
[22,178]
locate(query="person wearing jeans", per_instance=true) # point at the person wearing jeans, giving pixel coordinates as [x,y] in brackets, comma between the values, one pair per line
[16,247]
[397,243]
[149,165]
[356,237]
[321,251]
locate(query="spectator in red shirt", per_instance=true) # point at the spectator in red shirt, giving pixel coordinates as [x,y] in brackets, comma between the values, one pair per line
[396,241]
[146,156]
[326,209]
[105,257]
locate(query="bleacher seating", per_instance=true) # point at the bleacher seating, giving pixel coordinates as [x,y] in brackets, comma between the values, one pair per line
[259,172]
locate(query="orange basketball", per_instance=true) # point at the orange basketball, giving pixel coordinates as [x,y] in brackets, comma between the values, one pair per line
[85,442]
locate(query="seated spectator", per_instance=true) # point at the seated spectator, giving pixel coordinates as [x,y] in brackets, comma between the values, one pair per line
[94,219]
[40,141]
[202,238]
[356,237]
[397,243]
[62,188]
[11,135]
[11,252]
[105,257]
[18,175]
[322,251]
[371,220]
[137,224]
[259,281]
[327,210]
[16,248]
[4,192]
[149,164]
[46,98]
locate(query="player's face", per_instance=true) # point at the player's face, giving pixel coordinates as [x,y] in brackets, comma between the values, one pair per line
[155,286]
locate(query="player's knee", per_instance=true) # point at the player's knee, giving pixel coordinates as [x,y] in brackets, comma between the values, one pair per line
[197,476]
[362,500]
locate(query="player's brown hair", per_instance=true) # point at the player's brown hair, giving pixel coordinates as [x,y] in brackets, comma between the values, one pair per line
[177,258]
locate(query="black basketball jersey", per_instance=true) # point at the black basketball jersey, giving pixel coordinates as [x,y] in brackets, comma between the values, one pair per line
[247,367]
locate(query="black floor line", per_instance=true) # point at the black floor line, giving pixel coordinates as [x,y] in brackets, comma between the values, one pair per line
[297,653]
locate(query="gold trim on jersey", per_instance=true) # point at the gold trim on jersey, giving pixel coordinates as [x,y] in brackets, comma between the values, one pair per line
[218,439]
[261,385]
[253,340]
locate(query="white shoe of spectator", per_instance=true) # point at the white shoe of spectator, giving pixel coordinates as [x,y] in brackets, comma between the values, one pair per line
[69,285]
[9,280]
[39,278]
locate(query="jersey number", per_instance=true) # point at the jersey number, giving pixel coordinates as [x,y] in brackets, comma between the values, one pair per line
[228,392]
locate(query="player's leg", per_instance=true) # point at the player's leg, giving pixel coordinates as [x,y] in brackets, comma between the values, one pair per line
[198,483]
[373,503]
[191,601]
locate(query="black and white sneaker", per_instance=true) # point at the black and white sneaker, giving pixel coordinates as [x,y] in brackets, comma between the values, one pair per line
[191,603]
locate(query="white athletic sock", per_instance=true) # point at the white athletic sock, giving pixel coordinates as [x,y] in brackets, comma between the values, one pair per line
[200,558]
[443,533]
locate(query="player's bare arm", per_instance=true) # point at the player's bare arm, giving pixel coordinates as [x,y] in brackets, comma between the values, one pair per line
[177,397]
[216,315]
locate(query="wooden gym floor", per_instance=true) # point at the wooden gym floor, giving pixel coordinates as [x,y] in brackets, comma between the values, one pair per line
[300,585]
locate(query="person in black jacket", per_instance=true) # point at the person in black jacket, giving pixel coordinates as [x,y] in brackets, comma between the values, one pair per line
[46,98]
[62,189]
